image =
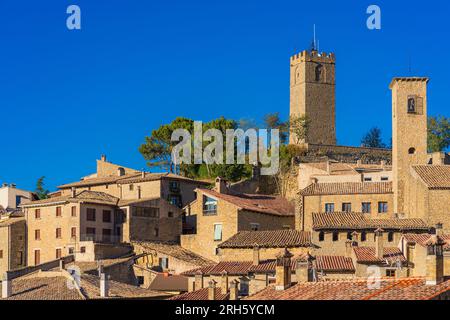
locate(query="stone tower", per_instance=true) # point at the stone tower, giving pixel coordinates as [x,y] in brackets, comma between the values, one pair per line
[409,133]
[312,93]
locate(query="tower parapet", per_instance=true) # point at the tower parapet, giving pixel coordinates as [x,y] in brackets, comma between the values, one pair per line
[307,56]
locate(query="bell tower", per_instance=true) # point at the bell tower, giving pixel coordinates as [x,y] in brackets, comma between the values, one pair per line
[312,93]
[409,133]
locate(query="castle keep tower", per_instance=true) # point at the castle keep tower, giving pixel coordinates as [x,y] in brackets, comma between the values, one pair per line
[409,133]
[312,87]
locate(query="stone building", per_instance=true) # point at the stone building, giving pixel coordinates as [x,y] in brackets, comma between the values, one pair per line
[218,214]
[12,243]
[312,93]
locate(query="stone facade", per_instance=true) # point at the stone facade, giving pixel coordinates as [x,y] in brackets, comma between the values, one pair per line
[12,244]
[312,93]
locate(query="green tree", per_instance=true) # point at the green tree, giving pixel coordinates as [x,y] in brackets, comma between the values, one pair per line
[438,133]
[372,139]
[40,191]
[273,121]
[299,126]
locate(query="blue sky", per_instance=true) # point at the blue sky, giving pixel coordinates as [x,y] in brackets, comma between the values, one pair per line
[69,96]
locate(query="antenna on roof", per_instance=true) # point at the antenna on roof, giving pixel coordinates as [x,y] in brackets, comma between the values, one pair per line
[314,44]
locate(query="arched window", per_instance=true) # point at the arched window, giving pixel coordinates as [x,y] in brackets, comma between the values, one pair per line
[411,150]
[319,72]
[321,236]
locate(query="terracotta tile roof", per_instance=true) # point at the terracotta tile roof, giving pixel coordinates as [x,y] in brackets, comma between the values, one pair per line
[334,264]
[268,239]
[43,288]
[90,287]
[340,188]
[174,250]
[84,196]
[129,178]
[422,238]
[169,283]
[123,203]
[391,256]
[434,176]
[336,168]
[267,204]
[389,289]
[201,294]
[358,221]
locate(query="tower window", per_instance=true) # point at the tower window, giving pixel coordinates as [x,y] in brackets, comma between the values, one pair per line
[319,72]
[411,105]
[411,150]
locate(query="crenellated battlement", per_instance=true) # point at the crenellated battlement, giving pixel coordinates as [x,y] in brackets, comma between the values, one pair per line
[306,55]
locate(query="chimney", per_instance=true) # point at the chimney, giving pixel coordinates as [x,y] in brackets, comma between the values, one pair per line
[379,243]
[13,185]
[73,192]
[212,290]
[355,238]
[383,164]
[303,269]
[6,286]
[143,174]
[256,171]
[435,260]
[348,248]
[283,270]
[439,229]
[234,291]
[103,158]
[256,257]
[221,185]
[224,282]
[328,166]
[104,285]
[198,280]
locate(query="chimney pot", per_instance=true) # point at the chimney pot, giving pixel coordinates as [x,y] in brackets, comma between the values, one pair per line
[103,158]
[6,286]
[283,270]
[199,280]
[104,285]
[234,291]
[224,282]
[221,185]
[73,192]
[256,255]
[212,290]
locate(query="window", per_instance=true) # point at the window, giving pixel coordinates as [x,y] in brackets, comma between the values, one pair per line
[382,207]
[131,187]
[37,213]
[209,206]
[367,179]
[349,236]
[156,232]
[318,72]
[20,257]
[175,200]
[217,232]
[71,250]
[411,150]
[37,234]
[346,207]
[321,236]
[363,236]
[390,237]
[329,207]
[18,200]
[37,257]
[58,233]
[411,105]
[384,178]
[390,273]
[58,253]
[90,233]
[335,236]
[1,254]
[254,226]
[145,212]
[106,216]
[366,207]
[83,249]
[164,263]
[90,214]
[170,214]
[140,280]
[58,211]
[106,235]
[174,186]
[73,232]
[73,211]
